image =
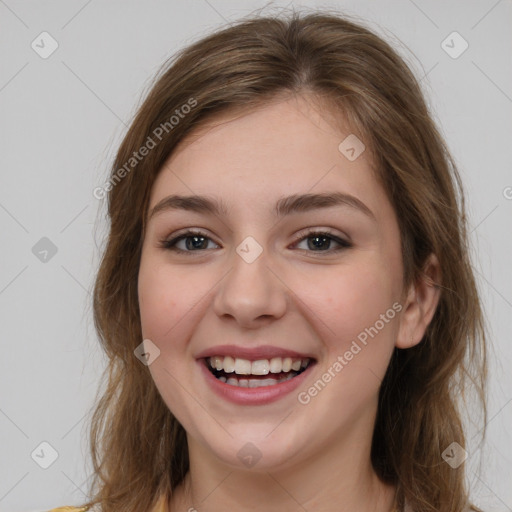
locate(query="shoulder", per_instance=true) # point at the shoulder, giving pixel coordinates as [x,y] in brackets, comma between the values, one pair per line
[75,509]
[68,509]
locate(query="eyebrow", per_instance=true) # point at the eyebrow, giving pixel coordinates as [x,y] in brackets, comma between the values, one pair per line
[298,203]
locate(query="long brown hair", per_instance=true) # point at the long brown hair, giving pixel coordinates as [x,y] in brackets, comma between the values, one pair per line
[139,449]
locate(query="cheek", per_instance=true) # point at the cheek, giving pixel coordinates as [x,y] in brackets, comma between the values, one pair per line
[353,312]
[165,298]
[358,323]
[166,302]
[349,300]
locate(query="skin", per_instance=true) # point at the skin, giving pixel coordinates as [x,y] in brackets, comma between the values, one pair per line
[291,296]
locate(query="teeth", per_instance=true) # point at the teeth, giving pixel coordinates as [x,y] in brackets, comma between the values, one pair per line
[296,365]
[228,364]
[287,364]
[254,383]
[216,362]
[243,366]
[275,365]
[259,367]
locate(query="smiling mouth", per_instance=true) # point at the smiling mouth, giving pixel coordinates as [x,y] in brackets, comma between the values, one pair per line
[255,374]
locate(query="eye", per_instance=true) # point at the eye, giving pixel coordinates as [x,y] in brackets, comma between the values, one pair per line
[193,241]
[197,241]
[320,241]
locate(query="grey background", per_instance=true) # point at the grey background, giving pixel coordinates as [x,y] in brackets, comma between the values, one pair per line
[61,119]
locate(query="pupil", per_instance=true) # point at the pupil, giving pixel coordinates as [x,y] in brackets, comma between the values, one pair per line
[319,245]
[195,244]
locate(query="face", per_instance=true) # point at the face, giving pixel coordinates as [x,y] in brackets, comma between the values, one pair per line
[294,300]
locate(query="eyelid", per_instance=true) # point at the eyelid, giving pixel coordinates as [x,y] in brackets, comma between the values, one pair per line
[321,231]
[343,241]
[189,232]
[170,242]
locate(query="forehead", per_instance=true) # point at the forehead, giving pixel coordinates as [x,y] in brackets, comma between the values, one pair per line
[290,115]
[291,146]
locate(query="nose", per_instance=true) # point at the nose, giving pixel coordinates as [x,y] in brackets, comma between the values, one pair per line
[251,293]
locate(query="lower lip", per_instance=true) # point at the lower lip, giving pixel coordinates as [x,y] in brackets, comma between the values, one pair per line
[253,396]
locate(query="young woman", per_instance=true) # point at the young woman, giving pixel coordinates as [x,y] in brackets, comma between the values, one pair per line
[286,298]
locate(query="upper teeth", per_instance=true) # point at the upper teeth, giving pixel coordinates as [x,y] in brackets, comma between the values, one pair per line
[259,367]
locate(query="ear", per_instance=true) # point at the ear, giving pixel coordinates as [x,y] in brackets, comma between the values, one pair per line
[420,305]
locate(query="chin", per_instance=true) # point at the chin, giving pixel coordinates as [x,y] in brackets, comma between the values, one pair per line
[252,448]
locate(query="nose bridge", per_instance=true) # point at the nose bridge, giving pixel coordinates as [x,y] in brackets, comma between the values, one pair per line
[250,290]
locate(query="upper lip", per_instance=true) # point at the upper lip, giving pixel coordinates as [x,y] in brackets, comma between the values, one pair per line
[252,353]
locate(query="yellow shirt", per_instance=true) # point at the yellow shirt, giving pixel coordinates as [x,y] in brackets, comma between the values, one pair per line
[161,506]
[70,509]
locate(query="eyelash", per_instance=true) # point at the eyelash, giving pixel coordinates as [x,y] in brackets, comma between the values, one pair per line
[344,244]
